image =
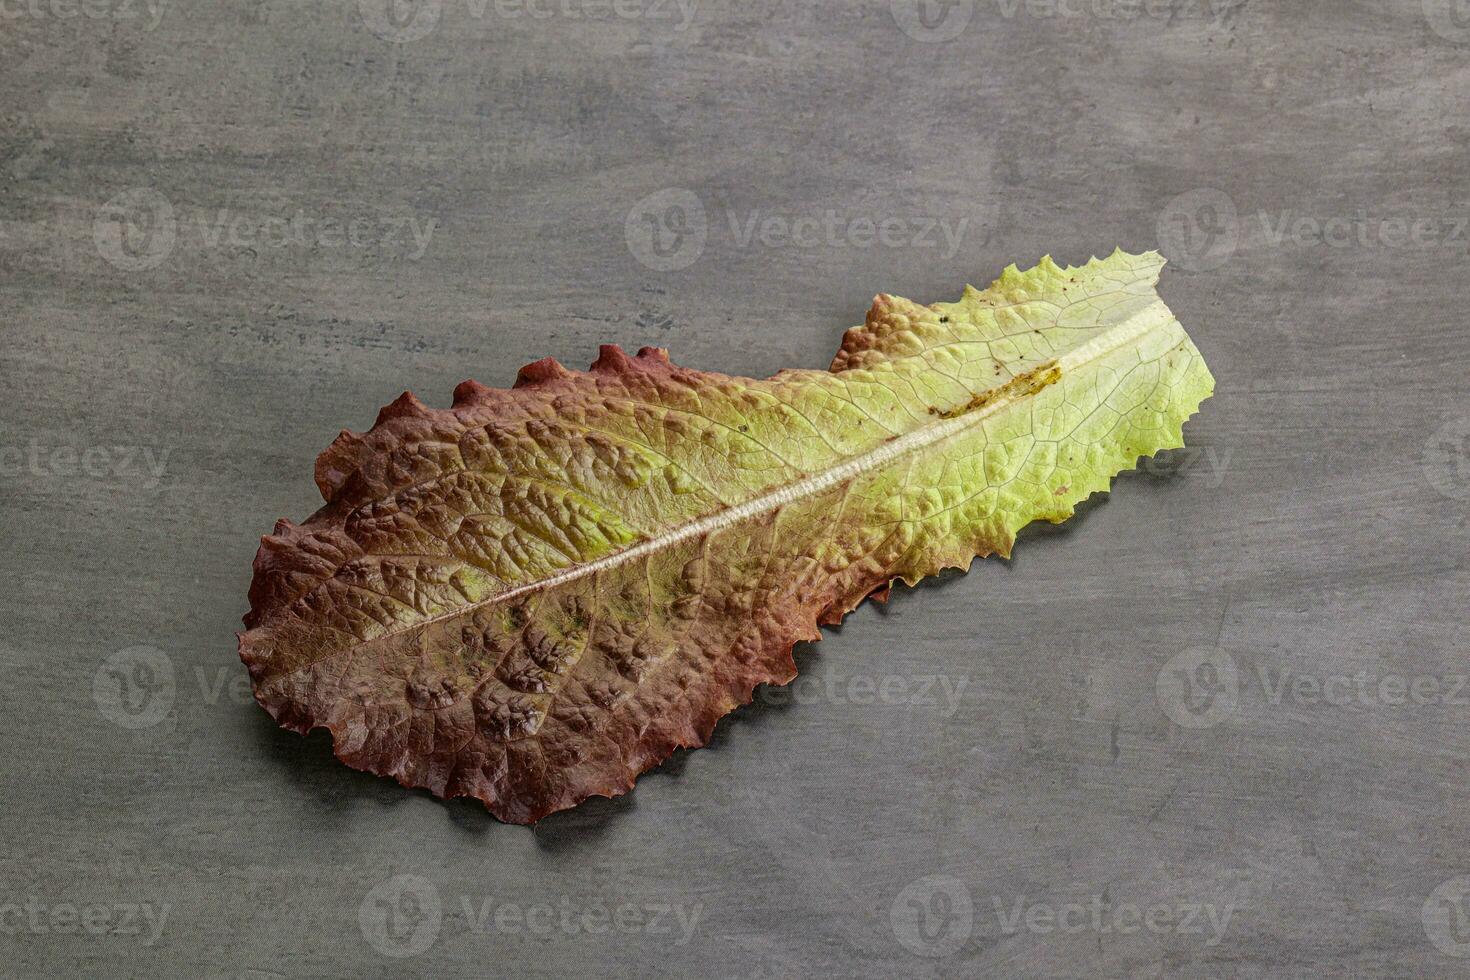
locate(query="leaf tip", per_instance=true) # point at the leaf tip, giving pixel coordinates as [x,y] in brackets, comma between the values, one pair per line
[337,462]
[546,370]
[405,405]
[468,392]
[611,359]
[883,304]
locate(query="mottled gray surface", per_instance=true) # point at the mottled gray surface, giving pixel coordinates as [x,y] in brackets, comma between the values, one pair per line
[1233,688]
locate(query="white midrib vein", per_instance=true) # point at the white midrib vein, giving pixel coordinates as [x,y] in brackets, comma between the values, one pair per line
[1125,334]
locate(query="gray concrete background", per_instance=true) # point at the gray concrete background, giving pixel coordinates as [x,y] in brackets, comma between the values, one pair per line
[1230,693]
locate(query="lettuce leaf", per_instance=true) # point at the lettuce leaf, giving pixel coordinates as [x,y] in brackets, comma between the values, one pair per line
[539,593]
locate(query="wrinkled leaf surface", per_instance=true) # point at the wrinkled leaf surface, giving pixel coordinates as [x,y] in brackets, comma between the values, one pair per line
[537,594]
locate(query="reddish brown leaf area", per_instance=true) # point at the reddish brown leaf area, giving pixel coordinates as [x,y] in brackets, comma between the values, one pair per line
[534,704]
